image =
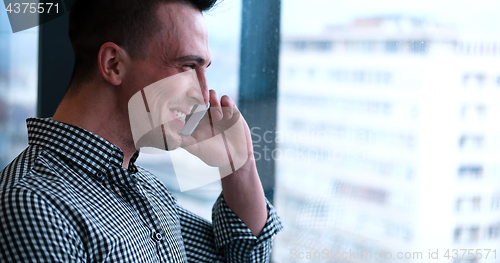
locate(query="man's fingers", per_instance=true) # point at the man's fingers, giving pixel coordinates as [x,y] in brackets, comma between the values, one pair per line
[227,107]
[215,107]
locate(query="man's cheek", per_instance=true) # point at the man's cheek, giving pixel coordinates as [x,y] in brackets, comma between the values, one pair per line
[149,109]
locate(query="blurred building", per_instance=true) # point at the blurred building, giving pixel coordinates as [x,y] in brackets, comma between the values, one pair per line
[388,142]
[18,87]
[4,83]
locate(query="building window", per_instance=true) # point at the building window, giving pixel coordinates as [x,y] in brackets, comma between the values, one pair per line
[494,231]
[358,76]
[459,204]
[471,142]
[392,46]
[474,111]
[465,80]
[480,79]
[457,234]
[312,73]
[321,45]
[474,234]
[468,235]
[470,171]
[495,203]
[476,203]
[291,72]
[418,46]
[474,79]
[468,204]
[300,45]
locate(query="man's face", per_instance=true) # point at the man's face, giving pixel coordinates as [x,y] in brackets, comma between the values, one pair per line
[181,46]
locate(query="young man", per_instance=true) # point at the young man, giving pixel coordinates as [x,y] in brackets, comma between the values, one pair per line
[75,194]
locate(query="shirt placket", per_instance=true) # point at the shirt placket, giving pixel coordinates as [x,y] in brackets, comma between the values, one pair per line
[166,213]
[132,193]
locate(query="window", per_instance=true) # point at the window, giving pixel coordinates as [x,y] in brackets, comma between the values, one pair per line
[495,202]
[459,204]
[300,45]
[476,203]
[480,79]
[321,45]
[466,234]
[470,172]
[471,142]
[494,231]
[457,234]
[474,79]
[418,46]
[18,87]
[474,111]
[392,46]
[468,204]
[473,234]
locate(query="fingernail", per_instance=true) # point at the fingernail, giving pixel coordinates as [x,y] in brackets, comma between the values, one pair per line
[218,114]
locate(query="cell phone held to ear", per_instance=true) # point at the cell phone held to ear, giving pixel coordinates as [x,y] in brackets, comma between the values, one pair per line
[194,118]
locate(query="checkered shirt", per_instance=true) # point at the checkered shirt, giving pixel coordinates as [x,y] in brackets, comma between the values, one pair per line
[66,198]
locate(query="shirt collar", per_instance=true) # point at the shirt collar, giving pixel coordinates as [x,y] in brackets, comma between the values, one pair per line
[82,148]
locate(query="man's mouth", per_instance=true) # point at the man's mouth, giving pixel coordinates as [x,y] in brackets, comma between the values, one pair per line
[181,115]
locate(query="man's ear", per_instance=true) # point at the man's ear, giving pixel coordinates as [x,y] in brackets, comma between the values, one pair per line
[111,58]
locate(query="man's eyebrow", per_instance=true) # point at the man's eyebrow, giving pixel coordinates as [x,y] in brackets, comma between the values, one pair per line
[188,58]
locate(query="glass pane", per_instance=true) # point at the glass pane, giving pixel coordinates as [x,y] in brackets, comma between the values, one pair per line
[388,130]
[224,30]
[18,87]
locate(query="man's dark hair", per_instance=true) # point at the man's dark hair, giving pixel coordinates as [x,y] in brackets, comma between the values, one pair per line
[128,23]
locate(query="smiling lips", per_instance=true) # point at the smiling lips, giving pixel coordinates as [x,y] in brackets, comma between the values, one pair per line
[181,115]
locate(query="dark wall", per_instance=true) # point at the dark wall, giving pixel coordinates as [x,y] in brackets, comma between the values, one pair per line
[55,64]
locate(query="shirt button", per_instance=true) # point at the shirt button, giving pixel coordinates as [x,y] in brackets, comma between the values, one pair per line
[156,236]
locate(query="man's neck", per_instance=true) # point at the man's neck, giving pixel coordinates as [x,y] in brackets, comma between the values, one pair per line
[96,108]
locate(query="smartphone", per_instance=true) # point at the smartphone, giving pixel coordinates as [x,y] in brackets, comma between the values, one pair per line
[194,118]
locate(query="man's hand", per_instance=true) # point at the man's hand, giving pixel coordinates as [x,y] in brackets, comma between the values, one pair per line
[223,139]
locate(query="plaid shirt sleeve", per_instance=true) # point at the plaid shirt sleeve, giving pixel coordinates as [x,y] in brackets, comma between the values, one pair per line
[228,236]
[32,230]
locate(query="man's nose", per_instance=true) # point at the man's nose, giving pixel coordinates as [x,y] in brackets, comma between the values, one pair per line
[199,93]
[202,79]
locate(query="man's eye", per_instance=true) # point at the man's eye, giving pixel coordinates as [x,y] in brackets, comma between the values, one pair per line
[192,66]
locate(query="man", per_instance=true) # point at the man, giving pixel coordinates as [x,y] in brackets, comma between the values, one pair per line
[75,194]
